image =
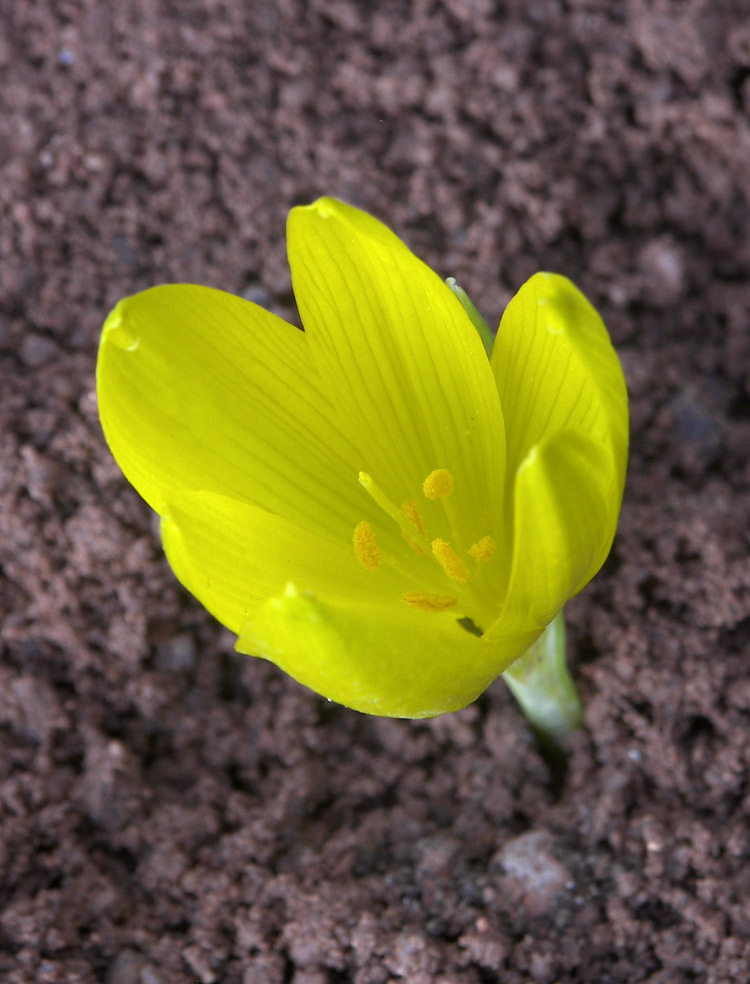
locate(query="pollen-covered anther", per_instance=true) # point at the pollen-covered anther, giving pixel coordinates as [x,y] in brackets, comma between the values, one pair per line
[438,484]
[366,546]
[412,513]
[483,550]
[449,560]
[428,602]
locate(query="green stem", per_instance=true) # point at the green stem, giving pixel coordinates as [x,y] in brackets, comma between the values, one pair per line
[476,318]
[542,685]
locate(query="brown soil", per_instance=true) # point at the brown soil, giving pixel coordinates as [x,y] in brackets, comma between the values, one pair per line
[170,812]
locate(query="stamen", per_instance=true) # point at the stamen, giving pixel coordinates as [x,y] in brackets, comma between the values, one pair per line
[405,524]
[438,484]
[412,513]
[380,497]
[483,550]
[366,547]
[428,602]
[449,560]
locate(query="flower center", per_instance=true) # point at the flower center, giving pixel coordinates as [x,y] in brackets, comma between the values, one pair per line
[457,569]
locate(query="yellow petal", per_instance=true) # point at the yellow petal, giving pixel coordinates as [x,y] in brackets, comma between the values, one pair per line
[412,378]
[233,556]
[308,605]
[556,370]
[565,514]
[394,663]
[199,389]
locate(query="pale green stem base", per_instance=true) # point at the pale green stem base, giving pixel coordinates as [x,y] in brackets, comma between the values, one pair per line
[542,685]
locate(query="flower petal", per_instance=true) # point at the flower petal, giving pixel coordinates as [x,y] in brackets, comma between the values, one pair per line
[566,507]
[199,389]
[384,662]
[409,373]
[556,370]
[233,556]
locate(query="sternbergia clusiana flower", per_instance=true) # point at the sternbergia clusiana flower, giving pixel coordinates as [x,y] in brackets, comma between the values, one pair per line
[372,503]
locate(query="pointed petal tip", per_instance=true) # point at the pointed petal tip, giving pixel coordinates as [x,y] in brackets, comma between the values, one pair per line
[342,216]
[324,207]
[116,330]
[568,302]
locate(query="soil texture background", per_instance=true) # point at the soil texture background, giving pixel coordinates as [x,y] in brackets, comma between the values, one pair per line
[171,812]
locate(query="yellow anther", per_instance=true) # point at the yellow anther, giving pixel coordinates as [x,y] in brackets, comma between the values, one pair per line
[412,513]
[449,560]
[428,602]
[438,484]
[483,550]
[366,547]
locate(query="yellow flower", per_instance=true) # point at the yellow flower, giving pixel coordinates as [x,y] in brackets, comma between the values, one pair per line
[371,504]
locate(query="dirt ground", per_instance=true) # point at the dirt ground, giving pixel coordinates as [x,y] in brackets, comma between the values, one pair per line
[171,812]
